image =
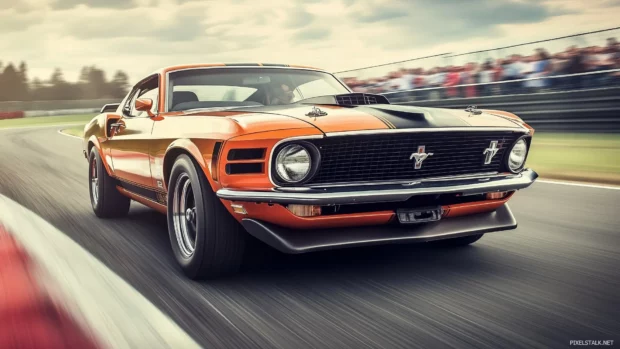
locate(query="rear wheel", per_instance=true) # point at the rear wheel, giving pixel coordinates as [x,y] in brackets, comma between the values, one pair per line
[207,241]
[106,200]
[462,241]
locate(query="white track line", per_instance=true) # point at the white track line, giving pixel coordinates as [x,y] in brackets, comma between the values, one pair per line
[120,315]
[68,135]
[578,184]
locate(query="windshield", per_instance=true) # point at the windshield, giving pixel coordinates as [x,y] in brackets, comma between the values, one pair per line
[240,87]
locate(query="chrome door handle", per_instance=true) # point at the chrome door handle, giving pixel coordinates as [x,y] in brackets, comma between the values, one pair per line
[117,126]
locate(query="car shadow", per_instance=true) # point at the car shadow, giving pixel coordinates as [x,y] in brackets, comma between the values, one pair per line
[382,262]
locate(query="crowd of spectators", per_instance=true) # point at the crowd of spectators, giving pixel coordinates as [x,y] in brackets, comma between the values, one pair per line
[535,73]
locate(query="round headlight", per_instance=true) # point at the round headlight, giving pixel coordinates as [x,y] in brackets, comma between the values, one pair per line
[293,163]
[516,159]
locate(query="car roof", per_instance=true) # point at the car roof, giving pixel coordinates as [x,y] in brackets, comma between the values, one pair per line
[236,65]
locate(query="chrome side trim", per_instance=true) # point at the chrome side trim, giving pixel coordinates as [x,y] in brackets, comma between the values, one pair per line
[382,193]
[419,130]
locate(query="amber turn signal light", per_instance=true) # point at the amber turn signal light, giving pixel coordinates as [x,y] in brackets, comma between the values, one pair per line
[497,195]
[239,209]
[305,210]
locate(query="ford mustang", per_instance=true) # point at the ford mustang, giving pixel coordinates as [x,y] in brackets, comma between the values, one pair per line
[289,155]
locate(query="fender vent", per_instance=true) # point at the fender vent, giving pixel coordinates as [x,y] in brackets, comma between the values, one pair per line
[246,154]
[244,168]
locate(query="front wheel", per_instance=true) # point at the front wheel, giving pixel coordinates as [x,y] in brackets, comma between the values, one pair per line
[207,241]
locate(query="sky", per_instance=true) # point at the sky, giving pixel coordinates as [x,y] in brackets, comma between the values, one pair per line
[140,36]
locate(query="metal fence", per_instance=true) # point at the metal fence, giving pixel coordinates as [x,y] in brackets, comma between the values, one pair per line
[585,110]
[552,83]
[47,107]
[376,78]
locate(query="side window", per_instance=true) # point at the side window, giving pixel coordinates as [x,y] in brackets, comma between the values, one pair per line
[151,94]
[130,102]
[147,89]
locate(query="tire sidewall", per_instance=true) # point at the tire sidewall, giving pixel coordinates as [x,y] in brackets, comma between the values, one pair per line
[192,264]
[94,156]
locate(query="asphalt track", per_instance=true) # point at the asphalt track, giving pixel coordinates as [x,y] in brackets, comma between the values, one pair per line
[554,279]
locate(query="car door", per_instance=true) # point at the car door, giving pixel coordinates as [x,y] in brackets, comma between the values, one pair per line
[129,143]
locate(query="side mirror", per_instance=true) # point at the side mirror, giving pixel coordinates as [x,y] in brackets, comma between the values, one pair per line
[145,104]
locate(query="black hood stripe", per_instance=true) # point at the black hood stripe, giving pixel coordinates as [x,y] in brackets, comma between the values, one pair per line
[384,120]
[406,117]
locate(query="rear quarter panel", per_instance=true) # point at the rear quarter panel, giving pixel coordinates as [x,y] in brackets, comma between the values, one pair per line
[95,135]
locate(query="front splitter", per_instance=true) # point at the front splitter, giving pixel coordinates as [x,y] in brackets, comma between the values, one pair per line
[308,240]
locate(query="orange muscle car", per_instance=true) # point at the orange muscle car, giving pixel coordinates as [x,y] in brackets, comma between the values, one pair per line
[291,156]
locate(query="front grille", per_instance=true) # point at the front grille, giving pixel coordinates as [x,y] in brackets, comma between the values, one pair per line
[386,157]
[360,99]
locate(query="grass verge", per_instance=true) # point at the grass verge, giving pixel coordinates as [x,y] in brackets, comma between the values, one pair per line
[77,131]
[578,157]
[47,120]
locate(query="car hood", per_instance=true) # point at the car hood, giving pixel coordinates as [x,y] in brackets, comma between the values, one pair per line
[369,117]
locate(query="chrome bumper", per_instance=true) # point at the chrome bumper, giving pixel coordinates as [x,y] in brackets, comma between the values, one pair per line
[383,193]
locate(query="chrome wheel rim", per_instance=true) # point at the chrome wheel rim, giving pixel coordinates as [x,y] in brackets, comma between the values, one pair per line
[94,181]
[184,215]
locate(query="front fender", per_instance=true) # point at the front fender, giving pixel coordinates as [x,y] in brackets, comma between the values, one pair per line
[200,150]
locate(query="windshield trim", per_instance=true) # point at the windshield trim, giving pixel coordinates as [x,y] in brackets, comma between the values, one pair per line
[168,87]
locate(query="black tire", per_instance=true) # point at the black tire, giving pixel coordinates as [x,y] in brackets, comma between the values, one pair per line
[462,241]
[219,240]
[107,201]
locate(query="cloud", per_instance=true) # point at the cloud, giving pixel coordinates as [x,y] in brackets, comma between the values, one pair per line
[68,4]
[311,34]
[139,36]
[381,14]
[136,23]
[15,21]
[430,21]
[299,19]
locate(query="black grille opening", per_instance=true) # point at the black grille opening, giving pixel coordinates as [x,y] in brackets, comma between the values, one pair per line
[414,202]
[246,154]
[244,168]
[387,157]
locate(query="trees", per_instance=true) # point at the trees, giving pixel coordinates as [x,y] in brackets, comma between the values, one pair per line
[92,84]
[13,84]
[119,84]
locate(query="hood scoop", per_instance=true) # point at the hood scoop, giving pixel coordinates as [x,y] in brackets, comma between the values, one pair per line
[348,99]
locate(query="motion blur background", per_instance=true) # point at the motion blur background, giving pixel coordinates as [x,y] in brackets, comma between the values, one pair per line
[555,63]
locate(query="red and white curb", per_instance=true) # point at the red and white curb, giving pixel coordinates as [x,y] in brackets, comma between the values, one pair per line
[31,318]
[55,294]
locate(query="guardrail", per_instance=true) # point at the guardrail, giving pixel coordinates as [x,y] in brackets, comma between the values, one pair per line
[48,106]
